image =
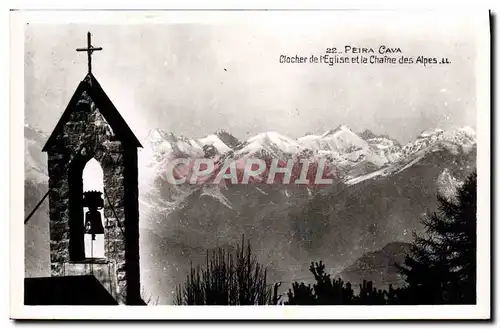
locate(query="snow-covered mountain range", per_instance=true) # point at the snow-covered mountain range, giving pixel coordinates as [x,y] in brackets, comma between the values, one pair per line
[340,144]
[356,156]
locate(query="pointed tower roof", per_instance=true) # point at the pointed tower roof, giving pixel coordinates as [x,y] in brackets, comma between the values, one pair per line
[90,85]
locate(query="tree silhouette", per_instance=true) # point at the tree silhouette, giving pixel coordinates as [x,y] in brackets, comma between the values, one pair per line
[441,266]
[300,294]
[328,291]
[228,279]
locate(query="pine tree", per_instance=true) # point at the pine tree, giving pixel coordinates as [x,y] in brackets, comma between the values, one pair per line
[441,267]
[326,290]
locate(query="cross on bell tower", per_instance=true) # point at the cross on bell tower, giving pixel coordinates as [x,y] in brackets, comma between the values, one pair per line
[90,49]
[92,129]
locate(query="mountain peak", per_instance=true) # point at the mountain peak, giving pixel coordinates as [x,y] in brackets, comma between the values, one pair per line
[383,140]
[340,128]
[367,134]
[268,135]
[431,132]
[271,142]
[216,142]
[155,134]
[467,130]
[227,138]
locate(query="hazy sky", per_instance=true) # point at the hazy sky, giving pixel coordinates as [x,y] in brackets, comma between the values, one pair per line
[194,79]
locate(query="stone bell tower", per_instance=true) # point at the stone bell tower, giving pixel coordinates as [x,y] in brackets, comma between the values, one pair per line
[92,128]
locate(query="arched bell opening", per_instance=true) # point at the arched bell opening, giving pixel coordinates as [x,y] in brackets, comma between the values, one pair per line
[93,204]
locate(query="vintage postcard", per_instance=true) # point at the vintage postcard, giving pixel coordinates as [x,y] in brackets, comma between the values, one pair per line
[289,164]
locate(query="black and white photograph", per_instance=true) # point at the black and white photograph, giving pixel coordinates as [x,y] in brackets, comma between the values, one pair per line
[278,162]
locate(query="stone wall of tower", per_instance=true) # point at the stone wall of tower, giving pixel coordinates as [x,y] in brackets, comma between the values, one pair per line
[87,135]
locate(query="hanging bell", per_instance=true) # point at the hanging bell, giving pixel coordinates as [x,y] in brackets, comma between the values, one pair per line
[93,221]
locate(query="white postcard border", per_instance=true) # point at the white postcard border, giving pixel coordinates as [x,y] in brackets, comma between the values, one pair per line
[19,311]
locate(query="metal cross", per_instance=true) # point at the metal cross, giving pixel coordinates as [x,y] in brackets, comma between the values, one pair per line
[90,49]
